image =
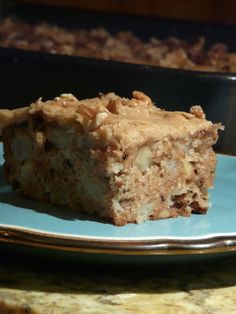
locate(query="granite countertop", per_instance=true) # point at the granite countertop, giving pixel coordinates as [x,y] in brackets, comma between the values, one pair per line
[47,287]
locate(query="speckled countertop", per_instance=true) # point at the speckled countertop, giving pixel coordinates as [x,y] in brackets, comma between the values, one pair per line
[45,287]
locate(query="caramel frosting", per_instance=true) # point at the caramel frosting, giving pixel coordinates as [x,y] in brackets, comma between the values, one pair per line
[112,119]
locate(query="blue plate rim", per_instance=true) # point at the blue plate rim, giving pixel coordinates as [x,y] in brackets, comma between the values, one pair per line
[214,243]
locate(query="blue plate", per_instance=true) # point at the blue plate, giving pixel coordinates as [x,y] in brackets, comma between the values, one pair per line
[27,223]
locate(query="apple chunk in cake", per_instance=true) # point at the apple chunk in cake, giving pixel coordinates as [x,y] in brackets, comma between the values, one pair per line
[121,159]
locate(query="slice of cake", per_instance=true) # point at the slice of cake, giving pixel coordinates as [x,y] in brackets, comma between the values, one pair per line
[121,159]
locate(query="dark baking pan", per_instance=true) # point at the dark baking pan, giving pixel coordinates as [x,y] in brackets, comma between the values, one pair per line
[25,75]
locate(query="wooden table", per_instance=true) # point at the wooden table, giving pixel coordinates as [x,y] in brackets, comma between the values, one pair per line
[217,11]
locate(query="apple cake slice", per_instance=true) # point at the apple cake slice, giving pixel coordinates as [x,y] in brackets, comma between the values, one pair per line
[121,159]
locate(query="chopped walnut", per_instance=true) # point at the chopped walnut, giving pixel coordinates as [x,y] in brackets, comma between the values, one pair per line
[141,96]
[197,112]
[100,117]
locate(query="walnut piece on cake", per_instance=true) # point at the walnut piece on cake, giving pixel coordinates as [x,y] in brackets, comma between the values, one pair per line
[121,159]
